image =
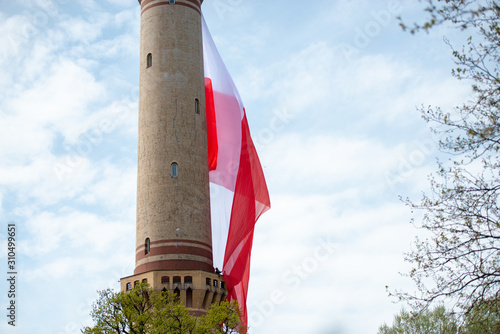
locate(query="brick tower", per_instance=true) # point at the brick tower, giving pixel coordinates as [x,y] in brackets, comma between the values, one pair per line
[173,231]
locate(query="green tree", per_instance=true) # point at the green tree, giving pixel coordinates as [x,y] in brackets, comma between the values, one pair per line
[143,311]
[460,262]
[437,321]
[224,319]
[483,318]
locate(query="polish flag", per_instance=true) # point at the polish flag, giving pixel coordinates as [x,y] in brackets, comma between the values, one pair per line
[238,191]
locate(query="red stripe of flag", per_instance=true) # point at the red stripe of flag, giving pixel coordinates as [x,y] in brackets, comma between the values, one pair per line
[213,146]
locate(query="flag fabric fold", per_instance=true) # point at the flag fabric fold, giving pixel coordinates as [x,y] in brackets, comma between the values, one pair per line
[238,191]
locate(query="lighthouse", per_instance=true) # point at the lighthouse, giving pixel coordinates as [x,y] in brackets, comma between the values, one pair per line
[173,229]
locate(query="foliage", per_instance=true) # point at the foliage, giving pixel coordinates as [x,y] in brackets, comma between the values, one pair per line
[461,260]
[437,321]
[483,319]
[143,311]
[462,14]
[227,313]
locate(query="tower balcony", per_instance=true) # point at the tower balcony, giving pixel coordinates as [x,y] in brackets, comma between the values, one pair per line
[197,289]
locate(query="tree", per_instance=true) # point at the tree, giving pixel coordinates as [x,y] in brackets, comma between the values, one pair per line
[437,321]
[143,311]
[483,319]
[228,314]
[460,261]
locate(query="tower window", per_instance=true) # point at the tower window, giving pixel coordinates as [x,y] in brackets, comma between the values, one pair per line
[177,294]
[188,279]
[147,246]
[177,279]
[172,2]
[174,170]
[197,106]
[189,297]
[149,60]
[144,280]
[129,286]
[208,281]
[165,280]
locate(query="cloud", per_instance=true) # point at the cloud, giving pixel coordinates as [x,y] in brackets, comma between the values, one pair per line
[320,87]
[12,36]
[365,255]
[80,30]
[67,230]
[116,187]
[57,103]
[328,163]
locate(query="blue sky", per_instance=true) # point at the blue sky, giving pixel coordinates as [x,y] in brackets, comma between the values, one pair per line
[330,89]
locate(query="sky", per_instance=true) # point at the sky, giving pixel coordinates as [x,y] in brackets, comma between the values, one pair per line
[331,90]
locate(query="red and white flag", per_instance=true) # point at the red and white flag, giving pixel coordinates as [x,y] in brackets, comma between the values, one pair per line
[238,190]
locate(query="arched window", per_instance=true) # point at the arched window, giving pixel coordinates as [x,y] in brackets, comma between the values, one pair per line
[136,283]
[189,297]
[188,279]
[172,2]
[208,281]
[144,280]
[149,60]
[129,286]
[177,279]
[174,170]
[147,246]
[197,106]
[165,280]
[177,294]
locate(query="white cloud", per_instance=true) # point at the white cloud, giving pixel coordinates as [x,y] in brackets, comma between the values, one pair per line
[326,162]
[68,229]
[319,86]
[80,30]
[116,187]
[129,18]
[103,49]
[298,81]
[58,101]
[11,35]
[346,283]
